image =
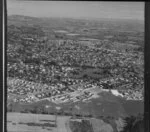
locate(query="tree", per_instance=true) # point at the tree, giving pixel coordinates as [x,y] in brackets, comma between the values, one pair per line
[85,76]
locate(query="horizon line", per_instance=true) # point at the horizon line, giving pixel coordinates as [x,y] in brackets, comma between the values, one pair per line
[84,18]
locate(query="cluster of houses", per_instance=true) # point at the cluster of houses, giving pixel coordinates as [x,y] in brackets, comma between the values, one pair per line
[58,59]
[28,92]
[133,94]
[66,55]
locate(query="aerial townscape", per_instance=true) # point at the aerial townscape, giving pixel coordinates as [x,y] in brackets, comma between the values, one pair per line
[79,73]
[74,74]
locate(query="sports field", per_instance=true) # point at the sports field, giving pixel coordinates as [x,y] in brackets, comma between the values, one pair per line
[20,122]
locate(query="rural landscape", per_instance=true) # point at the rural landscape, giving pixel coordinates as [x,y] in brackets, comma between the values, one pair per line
[74,75]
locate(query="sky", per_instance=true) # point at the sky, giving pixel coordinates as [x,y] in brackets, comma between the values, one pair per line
[77,9]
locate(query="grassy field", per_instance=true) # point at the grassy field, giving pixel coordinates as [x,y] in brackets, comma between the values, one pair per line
[19,122]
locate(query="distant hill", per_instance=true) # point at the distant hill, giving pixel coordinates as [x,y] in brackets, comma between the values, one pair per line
[122,24]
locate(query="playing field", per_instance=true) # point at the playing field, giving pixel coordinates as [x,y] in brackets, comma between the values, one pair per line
[20,122]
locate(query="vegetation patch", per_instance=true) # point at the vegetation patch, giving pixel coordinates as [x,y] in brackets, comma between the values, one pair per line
[83,126]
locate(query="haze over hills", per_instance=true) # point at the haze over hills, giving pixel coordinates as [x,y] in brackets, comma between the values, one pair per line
[129,24]
[75,9]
